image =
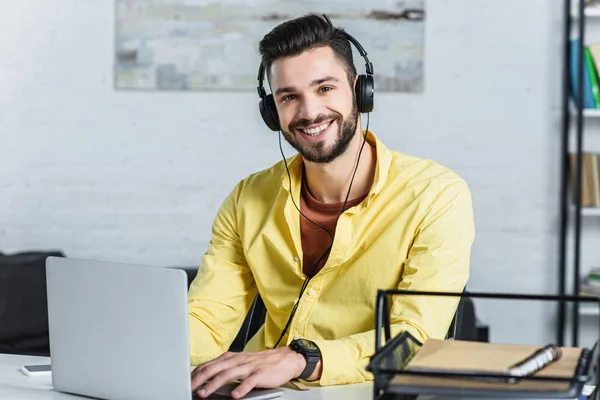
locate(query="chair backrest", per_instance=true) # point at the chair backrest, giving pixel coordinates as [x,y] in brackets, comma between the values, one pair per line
[254,320]
[23,303]
[464,323]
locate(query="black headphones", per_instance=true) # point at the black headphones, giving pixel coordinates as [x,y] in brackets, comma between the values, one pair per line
[364,89]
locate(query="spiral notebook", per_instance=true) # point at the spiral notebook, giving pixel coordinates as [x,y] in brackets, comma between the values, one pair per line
[479,359]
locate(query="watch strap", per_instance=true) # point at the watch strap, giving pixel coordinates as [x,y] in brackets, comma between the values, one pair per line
[312,359]
[309,369]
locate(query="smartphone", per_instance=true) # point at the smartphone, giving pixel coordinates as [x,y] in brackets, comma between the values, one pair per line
[37,370]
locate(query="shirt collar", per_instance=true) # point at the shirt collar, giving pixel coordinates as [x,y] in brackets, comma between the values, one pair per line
[384,159]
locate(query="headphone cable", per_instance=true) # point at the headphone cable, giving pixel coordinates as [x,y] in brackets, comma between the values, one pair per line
[312,272]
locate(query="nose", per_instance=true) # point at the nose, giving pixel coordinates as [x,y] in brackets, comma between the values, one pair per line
[310,108]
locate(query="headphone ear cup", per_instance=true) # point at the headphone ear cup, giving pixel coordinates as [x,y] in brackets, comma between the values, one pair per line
[365,89]
[269,113]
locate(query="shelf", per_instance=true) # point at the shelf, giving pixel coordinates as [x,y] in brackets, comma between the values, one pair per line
[590,12]
[588,309]
[591,113]
[588,112]
[588,211]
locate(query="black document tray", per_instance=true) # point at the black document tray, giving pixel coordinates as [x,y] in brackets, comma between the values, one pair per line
[388,364]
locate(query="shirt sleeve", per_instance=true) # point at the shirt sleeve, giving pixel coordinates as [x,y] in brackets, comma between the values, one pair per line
[223,290]
[438,260]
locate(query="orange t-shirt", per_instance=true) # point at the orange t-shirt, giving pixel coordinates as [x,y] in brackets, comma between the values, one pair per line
[315,240]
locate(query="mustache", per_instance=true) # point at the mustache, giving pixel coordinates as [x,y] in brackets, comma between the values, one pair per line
[303,123]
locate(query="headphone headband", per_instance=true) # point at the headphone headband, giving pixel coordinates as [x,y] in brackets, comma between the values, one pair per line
[363,53]
[261,90]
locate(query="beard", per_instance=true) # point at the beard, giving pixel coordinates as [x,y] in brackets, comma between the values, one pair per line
[317,152]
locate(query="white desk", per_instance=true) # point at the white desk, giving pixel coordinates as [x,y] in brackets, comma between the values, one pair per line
[15,385]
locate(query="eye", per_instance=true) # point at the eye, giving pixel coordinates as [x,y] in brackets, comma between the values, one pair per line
[325,89]
[288,98]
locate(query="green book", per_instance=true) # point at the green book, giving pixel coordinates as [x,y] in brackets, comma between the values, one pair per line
[593,76]
[594,277]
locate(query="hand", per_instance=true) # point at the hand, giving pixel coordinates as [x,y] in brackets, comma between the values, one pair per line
[264,369]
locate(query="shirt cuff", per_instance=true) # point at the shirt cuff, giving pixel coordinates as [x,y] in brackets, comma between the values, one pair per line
[338,366]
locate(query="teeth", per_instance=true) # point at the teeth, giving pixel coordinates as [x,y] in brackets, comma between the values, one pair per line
[317,130]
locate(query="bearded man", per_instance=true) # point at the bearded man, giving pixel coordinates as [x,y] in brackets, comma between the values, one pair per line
[317,235]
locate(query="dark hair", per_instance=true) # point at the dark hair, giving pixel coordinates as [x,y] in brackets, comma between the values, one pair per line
[293,37]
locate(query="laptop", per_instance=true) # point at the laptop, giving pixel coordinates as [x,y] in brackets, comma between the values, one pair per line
[120,331]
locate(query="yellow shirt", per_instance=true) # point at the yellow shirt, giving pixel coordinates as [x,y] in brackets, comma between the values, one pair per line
[413,231]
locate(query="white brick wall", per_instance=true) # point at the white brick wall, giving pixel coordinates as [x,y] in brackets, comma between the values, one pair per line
[138,177]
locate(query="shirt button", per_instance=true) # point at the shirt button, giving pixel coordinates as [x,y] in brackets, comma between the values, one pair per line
[296,337]
[311,292]
[296,258]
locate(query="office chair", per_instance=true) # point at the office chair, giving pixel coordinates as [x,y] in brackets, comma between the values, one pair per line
[254,320]
[465,324]
[23,303]
[457,329]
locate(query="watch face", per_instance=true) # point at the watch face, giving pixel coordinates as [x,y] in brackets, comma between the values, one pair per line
[307,344]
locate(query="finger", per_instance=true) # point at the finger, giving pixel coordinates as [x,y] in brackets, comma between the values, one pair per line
[246,386]
[225,356]
[225,377]
[210,371]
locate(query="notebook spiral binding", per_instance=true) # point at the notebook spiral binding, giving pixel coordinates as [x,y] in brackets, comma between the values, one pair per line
[536,361]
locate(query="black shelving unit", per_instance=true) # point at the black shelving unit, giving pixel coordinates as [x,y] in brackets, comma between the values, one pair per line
[568,188]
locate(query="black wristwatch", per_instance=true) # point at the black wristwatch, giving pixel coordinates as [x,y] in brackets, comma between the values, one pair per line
[311,353]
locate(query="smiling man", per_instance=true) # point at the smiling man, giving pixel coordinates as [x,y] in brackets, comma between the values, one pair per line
[343,218]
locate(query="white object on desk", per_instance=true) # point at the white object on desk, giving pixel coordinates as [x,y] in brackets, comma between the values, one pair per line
[15,385]
[37,370]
